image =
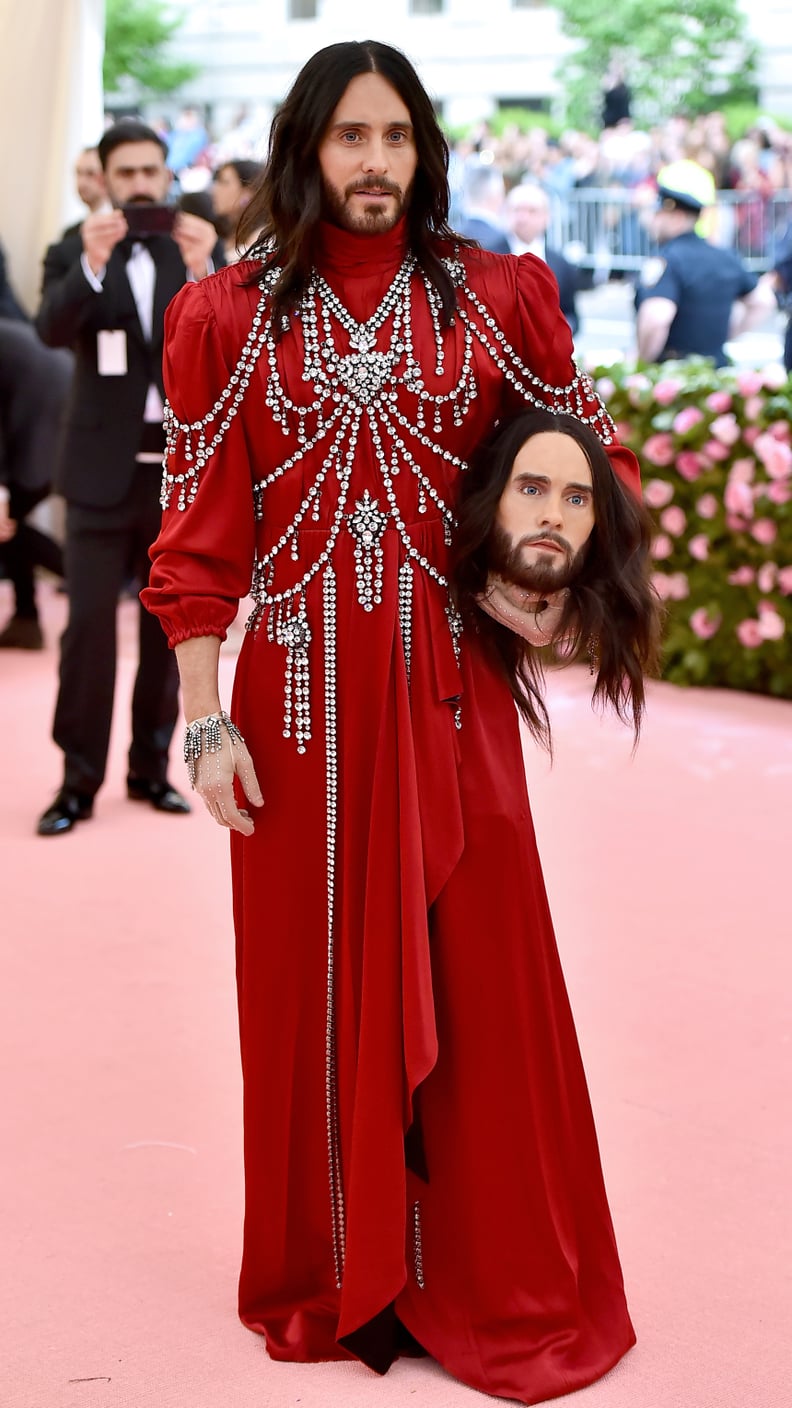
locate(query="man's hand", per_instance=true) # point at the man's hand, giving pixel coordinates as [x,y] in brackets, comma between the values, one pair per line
[214,783]
[8,526]
[100,235]
[196,239]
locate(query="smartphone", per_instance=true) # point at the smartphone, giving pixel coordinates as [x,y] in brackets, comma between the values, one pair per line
[144,219]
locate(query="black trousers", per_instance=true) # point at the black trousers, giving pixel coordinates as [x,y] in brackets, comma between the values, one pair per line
[103,547]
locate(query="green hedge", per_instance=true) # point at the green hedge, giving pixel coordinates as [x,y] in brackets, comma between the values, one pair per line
[716,461]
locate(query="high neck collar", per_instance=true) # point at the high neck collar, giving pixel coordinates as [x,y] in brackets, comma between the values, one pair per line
[344,252]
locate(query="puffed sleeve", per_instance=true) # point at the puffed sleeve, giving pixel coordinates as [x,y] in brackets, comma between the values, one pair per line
[539,333]
[202,560]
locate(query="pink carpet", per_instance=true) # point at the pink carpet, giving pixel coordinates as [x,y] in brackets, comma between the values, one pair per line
[120,1182]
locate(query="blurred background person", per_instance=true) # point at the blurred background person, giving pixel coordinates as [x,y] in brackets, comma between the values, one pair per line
[10,307]
[527,217]
[232,187]
[484,194]
[34,383]
[89,180]
[692,297]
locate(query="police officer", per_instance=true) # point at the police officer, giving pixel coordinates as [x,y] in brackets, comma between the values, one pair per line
[693,296]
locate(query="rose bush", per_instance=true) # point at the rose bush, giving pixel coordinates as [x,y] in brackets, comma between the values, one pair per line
[716,459]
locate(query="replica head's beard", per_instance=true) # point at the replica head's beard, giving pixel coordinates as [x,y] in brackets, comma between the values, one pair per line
[374,219]
[550,573]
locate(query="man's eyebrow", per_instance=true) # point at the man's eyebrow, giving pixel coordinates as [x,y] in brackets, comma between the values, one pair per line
[343,126]
[526,475]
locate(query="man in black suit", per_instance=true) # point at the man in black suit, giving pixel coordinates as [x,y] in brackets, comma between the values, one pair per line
[105,291]
[528,215]
[34,383]
[484,190]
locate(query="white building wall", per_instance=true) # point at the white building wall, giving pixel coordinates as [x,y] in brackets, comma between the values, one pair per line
[474,54]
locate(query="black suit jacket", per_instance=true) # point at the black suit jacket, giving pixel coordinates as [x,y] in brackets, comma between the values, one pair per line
[568,279]
[34,383]
[489,235]
[104,416]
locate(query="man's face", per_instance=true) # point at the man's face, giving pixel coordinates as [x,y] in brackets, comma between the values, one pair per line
[545,516]
[89,179]
[367,157]
[528,217]
[136,174]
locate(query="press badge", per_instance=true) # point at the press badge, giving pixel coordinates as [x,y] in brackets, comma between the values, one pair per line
[111,353]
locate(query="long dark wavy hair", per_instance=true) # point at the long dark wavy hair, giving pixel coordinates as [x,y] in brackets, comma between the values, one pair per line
[288,204]
[612,616]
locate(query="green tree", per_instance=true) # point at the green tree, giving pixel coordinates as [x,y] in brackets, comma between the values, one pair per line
[137,35]
[676,58]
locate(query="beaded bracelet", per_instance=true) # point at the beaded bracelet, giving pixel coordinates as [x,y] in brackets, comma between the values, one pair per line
[204,736]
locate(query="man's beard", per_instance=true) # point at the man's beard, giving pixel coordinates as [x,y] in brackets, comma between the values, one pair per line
[374,219]
[553,574]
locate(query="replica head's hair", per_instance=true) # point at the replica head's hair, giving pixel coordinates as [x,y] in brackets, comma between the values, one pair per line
[288,204]
[127,129]
[612,615]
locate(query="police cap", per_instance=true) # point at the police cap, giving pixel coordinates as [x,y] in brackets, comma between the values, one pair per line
[685,185]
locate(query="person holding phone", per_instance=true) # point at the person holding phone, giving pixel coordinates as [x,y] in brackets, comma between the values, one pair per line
[105,290]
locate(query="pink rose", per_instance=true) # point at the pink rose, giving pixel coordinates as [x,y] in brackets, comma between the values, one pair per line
[726,430]
[776,456]
[749,633]
[637,380]
[703,624]
[741,577]
[780,430]
[699,547]
[715,451]
[785,580]
[659,449]
[749,382]
[624,430]
[779,492]
[751,433]
[605,388]
[764,531]
[686,419]
[660,581]
[707,506]
[658,492]
[738,498]
[718,401]
[673,520]
[753,408]
[765,577]
[771,625]
[662,546]
[678,586]
[689,465]
[742,471]
[734,523]
[667,391]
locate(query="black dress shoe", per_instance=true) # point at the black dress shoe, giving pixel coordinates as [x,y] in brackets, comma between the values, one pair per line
[67,809]
[161,795]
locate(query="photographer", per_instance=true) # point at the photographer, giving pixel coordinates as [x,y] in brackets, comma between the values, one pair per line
[105,291]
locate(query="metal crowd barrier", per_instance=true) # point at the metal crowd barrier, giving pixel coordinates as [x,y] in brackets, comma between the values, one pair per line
[605,230]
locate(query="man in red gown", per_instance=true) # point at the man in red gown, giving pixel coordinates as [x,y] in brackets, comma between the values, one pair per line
[419,1147]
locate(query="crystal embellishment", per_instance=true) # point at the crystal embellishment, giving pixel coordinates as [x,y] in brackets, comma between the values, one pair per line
[367,525]
[364,374]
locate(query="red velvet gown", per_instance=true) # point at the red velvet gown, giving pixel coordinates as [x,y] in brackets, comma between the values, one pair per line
[419,1144]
